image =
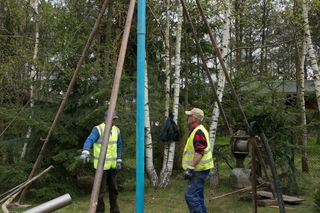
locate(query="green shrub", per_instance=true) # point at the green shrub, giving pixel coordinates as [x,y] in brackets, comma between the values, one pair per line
[317,198]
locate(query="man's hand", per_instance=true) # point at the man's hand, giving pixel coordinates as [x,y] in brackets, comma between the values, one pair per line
[85,156]
[188,173]
[119,165]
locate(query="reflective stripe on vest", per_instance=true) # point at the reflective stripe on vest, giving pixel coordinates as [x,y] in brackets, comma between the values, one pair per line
[111,156]
[206,161]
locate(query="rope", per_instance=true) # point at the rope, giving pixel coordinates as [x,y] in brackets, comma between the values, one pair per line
[14,118]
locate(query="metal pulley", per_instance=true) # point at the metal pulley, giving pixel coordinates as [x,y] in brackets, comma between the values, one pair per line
[240,148]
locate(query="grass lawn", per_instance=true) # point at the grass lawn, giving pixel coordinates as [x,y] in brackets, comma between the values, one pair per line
[171,199]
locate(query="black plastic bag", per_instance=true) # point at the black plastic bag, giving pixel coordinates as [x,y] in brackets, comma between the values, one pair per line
[170,131]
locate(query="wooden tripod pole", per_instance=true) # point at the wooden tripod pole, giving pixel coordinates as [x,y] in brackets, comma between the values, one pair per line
[253,172]
[224,68]
[204,62]
[65,98]
[111,109]
[264,139]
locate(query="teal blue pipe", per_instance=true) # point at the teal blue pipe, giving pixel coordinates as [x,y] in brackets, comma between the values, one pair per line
[141,53]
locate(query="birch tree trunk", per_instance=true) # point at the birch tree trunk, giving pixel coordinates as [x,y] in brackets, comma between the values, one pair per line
[264,29]
[187,67]
[311,51]
[148,138]
[306,44]
[167,58]
[168,164]
[239,12]
[32,74]
[221,77]
[214,176]
[167,89]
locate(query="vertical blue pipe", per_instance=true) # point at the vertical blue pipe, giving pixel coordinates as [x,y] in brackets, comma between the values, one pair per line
[141,52]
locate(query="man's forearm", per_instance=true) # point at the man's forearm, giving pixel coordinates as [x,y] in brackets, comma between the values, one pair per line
[196,159]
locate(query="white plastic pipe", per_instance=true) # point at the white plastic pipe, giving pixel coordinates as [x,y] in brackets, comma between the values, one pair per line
[51,205]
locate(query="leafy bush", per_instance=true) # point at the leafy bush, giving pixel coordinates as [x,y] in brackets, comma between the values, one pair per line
[278,115]
[11,176]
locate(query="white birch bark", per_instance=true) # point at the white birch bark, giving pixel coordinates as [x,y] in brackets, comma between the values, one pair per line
[221,77]
[306,44]
[167,58]
[214,173]
[148,138]
[167,85]
[32,74]
[311,52]
[168,165]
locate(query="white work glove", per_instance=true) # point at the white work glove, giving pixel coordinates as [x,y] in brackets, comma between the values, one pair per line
[188,173]
[119,165]
[85,156]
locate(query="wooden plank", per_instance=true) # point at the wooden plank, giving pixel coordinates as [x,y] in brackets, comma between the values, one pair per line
[235,192]
[267,202]
[231,193]
[286,198]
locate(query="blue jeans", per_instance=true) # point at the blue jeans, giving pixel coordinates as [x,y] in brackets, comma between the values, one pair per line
[194,193]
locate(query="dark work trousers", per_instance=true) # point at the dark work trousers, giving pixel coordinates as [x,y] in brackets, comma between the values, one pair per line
[109,178]
[194,193]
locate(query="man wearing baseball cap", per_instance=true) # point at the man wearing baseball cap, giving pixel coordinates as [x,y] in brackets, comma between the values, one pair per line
[112,165]
[196,161]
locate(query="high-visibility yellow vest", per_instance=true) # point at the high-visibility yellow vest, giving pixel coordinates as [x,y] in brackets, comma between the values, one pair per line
[206,161]
[111,156]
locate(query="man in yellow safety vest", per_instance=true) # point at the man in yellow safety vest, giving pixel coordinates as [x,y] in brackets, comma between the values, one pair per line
[112,165]
[196,161]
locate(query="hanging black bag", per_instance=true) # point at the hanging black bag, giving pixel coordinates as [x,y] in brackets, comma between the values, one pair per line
[170,131]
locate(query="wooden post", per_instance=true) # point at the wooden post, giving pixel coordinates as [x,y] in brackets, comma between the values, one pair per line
[111,109]
[65,98]
[204,61]
[253,172]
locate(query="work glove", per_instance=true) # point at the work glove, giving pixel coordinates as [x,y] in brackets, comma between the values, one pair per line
[119,165]
[85,156]
[188,173]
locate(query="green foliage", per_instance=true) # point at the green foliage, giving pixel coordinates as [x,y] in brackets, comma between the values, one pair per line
[15,45]
[46,191]
[64,29]
[278,115]
[12,176]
